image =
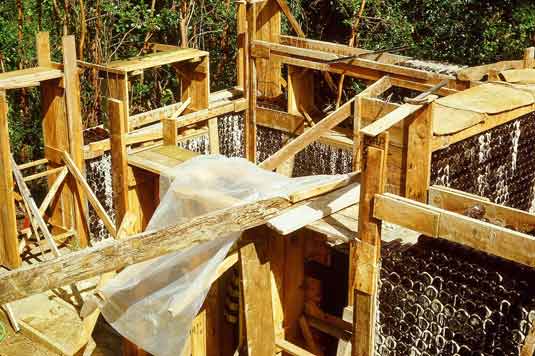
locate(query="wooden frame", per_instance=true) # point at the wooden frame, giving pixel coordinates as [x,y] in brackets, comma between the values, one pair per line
[62,131]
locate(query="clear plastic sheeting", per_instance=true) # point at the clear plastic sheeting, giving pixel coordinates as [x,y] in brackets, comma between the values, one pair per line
[154,303]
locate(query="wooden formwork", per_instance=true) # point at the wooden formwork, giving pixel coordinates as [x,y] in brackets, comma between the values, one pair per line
[391,146]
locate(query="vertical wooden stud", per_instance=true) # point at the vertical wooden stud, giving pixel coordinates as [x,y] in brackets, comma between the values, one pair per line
[251,81]
[119,159]
[9,254]
[529,57]
[418,173]
[118,89]
[75,126]
[357,120]
[364,285]
[258,310]
[268,28]
[43,49]
[56,136]
[169,131]
[242,52]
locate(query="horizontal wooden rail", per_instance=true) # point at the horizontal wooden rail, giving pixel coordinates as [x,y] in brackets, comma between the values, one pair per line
[117,254]
[435,222]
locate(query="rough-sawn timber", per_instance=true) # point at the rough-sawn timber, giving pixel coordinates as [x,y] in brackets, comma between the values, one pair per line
[117,254]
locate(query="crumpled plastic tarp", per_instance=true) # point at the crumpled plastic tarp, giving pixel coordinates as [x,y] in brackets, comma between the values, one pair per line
[154,303]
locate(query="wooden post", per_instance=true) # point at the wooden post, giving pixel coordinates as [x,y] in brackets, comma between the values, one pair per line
[529,57]
[119,159]
[258,310]
[9,254]
[357,120]
[366,253]
[75,129]
[268,28]
[118,89]
[251,82]
[43,49]
[418,171]
[242,51]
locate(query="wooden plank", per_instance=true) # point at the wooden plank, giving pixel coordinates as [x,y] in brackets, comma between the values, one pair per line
[315,55]
[390,119]
[308,137]
[160,159]
[477,73]
[56,139]
[320,189]
[258,310]
[292,349]
[75,130]
[268,28]
[9,255]
[82,184]
[42,174]
[213,136]
[114,255]
[417,218]
[315,209]
[363,280]
[119,159]
[30,77]
[157,59]
[279,120]
[33,164]
[52,191]
[458,201]
[529,57]
[152,116]
[293,301]
[43,49]
[492,239]
[418,171]
[251,81]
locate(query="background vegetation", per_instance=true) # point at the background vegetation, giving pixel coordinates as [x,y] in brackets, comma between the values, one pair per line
[460,31]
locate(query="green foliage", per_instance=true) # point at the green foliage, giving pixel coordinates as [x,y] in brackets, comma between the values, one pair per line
[461,31]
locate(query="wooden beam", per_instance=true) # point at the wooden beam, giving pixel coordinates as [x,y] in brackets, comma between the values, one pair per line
[75,130]
[52,191]
[42,174]
[458,201]
[82,184]
[390,119]
[35,163]
[114,255]
[292,349]
[9,254]
[311,135]
[258,308]
[435,222]
[119,158]
[363,282]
